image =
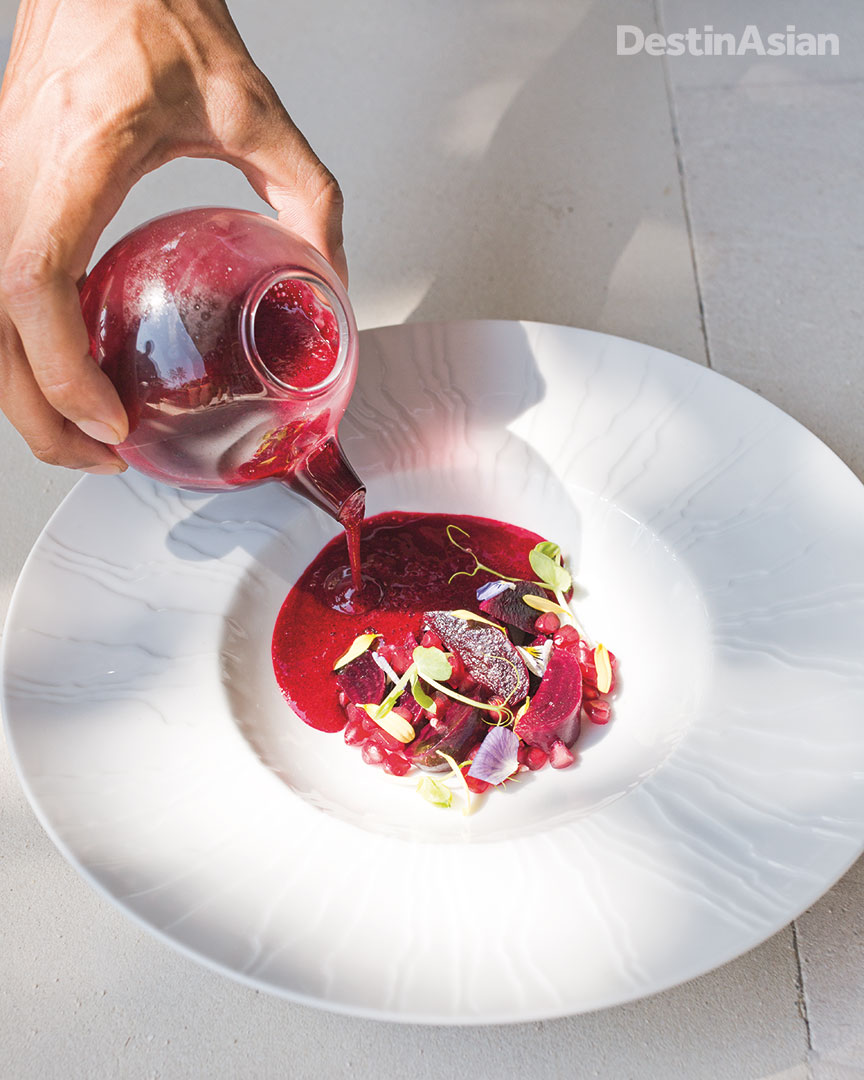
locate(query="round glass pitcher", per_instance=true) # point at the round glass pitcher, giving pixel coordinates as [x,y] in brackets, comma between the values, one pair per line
[233,347]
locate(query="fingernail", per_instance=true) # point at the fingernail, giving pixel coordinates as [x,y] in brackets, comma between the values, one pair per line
[103,433]
[103,470]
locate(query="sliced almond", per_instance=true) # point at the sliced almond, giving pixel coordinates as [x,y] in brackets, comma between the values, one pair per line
[357,647]
[461,613]
[604,668]
[540,603]
[392,723]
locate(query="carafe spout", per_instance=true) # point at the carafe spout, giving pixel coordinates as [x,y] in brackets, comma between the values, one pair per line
[327,479]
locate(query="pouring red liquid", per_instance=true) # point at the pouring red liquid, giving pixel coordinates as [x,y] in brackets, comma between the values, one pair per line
[233,347]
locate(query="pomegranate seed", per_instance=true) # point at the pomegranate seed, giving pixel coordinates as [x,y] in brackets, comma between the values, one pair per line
[343,698]
[430,640]
[547,623]
[354,733]
[589,691]
[396,764]
[536,758]
[369,724]
[385,740]
[355,714]
[522,753]
[496,699]
[477,786]
[398,657]
[457,668]
[372,753]
[567,637]
[598,712]
[560,757]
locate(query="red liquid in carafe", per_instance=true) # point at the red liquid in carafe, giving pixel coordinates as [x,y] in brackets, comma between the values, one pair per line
[218,397]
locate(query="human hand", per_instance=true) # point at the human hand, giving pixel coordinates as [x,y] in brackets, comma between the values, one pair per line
[96,94]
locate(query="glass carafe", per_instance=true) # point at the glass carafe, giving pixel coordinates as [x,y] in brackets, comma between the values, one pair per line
[233,347]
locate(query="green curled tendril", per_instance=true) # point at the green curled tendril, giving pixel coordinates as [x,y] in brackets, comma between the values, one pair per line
[479,566]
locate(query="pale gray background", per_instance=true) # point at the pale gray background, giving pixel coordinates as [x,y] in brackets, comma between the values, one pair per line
[499,160]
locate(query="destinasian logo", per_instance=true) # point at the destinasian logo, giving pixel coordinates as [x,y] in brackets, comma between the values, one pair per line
[706,42]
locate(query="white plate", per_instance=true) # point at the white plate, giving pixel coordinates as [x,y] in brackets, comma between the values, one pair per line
[719,547]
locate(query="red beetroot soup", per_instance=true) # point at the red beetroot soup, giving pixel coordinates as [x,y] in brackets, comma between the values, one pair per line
[407,561]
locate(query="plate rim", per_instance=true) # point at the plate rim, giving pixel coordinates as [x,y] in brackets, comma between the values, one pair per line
[299,997]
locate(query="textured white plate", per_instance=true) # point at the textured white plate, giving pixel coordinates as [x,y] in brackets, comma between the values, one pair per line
[719,549]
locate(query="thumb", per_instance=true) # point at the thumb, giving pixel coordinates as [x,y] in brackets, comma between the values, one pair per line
[285,171]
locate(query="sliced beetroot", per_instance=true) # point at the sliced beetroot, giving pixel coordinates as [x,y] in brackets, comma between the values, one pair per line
[553,715]
[362,681]
[460,731]
[487,653]
[508,606]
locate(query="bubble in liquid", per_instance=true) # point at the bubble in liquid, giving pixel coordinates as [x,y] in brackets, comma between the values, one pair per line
[343,595]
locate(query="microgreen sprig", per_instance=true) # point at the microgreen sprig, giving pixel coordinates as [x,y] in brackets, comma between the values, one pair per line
[394,695]
[545,560]
[478,565]
[456,772]
[434,791]
[428,666]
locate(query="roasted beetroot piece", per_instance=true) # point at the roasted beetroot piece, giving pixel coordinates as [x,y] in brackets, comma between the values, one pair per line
[455,735]
[487,653]
[362,681]
[508,606]
[553,715]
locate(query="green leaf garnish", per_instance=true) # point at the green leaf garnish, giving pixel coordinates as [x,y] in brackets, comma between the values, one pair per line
[432,664]
[394,695]
[433,791]
[420,695]
[457,772]
[357,647]
[549,570]
[478,565]
[546,547]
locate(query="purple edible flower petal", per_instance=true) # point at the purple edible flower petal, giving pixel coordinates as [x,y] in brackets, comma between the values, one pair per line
[493,588]
[498,756]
